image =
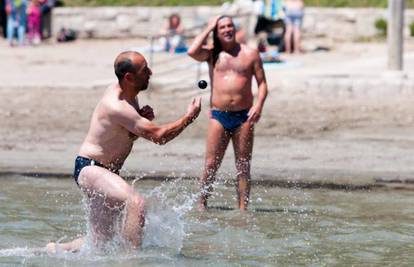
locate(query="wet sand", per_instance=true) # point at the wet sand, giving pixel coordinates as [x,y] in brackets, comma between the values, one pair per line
[48,94]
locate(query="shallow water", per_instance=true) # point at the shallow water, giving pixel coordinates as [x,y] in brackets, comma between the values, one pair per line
[282,226]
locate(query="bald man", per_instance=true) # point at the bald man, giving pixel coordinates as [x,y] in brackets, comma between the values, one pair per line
[116,122]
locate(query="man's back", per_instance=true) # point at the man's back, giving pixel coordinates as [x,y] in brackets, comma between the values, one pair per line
[107,141]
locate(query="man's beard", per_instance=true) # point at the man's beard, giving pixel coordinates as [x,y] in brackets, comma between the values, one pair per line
[142,88]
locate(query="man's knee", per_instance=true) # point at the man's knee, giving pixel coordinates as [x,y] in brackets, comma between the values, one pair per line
[243,166]
[137,203]
[136,200]
[212,164]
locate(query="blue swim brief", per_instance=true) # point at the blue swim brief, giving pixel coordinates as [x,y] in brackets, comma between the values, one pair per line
[294,17]
[231,120]
[82,162]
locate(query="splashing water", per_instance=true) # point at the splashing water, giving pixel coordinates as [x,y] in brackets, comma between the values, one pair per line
[165,224]
[282,227]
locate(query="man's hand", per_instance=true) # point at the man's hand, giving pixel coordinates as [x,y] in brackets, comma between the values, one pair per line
[212,23]
[147,112]
[254,114]
[194,109]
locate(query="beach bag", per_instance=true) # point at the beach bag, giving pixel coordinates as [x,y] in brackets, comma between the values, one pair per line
[66,35]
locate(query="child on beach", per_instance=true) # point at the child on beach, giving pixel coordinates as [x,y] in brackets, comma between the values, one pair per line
[33,23]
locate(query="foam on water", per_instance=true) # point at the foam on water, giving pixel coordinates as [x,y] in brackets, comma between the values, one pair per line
[21,252]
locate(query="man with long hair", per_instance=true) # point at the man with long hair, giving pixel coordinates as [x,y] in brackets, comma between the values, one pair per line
[233,111]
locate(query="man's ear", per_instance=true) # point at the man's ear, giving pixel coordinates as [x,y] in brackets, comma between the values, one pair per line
[128,76]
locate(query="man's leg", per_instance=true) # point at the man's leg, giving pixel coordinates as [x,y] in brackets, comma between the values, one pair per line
[296,40]
[134,222]
[10,30]
[243,146]
[109,194]
[288,38]
[217,141]
[21,34]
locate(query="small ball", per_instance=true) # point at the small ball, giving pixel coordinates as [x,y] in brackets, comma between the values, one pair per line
[202,84]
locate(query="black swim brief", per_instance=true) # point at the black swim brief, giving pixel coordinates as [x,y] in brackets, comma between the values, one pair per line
[82,162]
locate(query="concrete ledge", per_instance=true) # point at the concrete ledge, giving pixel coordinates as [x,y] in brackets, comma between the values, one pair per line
[121,22]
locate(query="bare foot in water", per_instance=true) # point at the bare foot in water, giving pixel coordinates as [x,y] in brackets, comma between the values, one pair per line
[202,207]
[72,246]
[51,248]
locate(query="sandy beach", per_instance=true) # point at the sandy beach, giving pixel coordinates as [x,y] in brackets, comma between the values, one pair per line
[304,139]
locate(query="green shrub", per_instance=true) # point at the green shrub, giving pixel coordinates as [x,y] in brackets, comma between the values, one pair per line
[412,29]
[381,26]
[354,3]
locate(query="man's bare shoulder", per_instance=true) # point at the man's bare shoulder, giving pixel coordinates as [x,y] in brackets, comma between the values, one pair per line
[111,103]
[250,51]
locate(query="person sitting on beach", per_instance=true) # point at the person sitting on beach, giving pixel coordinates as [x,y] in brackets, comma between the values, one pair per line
[294,11]
[233,114]
[173,39]
[116,123]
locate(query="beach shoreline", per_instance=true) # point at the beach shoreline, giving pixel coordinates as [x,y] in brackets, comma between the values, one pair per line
[46,103]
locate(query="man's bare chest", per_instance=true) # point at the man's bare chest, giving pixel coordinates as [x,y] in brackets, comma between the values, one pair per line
[239,64]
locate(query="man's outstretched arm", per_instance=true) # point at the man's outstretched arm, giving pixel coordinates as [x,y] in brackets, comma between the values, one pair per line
[159,134]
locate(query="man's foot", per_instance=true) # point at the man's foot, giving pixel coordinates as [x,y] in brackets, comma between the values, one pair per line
[202,206]
[243,207]
[72,246]
[51,248]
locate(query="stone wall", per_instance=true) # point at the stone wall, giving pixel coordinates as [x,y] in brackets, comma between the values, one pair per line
[115,22]
[122,22]
[347,23]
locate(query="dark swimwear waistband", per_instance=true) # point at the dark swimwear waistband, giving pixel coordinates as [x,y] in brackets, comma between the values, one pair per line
[82,162]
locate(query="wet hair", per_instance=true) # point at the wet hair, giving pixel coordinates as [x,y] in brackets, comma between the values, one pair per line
[217,48]
[123,64]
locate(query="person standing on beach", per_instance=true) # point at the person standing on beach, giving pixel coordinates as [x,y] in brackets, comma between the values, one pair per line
[294,12]
[116,123]
[232,111]
[33,22]
[16,20]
